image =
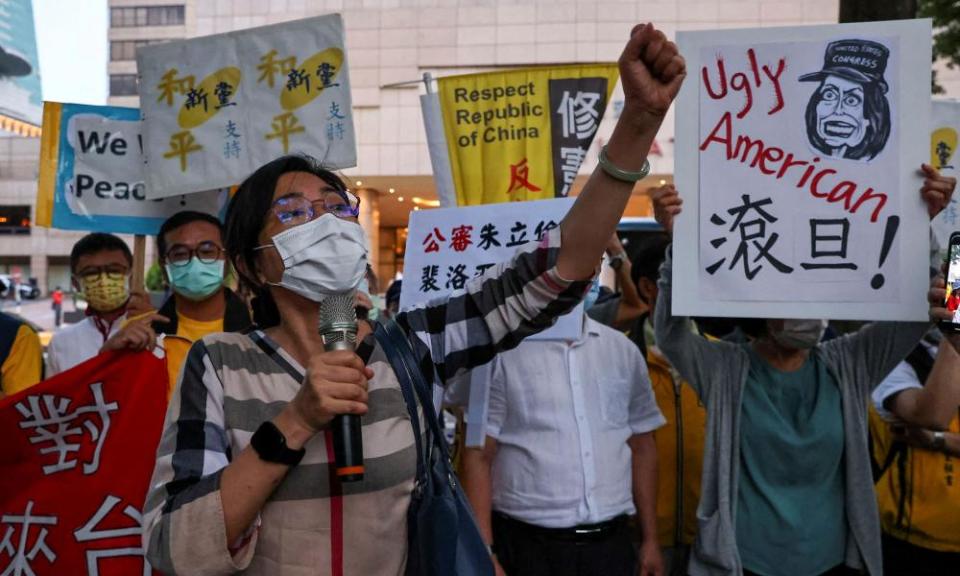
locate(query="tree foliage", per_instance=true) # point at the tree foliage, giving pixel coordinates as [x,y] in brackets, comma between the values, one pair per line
[946,32]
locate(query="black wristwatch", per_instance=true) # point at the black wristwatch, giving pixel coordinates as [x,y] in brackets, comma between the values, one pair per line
[271,446]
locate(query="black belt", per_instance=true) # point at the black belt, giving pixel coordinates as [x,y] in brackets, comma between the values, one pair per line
[580,533]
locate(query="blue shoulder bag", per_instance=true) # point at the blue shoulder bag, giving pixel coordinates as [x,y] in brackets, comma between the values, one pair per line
[443,538]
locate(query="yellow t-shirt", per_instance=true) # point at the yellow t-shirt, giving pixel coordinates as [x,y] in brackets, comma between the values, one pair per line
[24,363]
[176,347]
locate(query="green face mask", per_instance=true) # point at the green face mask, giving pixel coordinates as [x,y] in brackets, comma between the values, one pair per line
[196,280]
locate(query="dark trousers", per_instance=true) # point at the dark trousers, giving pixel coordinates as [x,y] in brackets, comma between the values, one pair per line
[901,558]
[525,550]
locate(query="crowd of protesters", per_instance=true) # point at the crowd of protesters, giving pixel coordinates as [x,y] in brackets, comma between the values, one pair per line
[650,444]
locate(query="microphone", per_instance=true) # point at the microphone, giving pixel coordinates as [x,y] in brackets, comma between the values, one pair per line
[338,330]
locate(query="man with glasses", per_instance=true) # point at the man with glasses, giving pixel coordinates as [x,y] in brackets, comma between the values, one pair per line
[190,245]
[100,266]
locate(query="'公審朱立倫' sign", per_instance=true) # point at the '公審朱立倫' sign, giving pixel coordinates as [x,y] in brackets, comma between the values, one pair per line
[449,247]
[218,107]
[798,163]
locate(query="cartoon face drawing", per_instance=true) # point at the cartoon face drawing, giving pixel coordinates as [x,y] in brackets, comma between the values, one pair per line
[840,119]
[848,115]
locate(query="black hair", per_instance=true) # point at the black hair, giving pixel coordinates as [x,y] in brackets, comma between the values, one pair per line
[649,257]
[179,220]
[98,242]
[246,215]
[393,292]
[876,110]
[752,327]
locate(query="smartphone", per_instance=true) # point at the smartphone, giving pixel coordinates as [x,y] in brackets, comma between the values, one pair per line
[952,302]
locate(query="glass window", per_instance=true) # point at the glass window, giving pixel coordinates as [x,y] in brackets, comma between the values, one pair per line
[14,219]
[176,15]
[123,85]
[147,16]
[155,17]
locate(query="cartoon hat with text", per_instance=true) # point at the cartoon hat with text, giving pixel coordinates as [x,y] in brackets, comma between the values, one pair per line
[861,61]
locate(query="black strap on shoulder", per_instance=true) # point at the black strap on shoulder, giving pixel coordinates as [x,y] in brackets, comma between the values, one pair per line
[406,379]
[921,361]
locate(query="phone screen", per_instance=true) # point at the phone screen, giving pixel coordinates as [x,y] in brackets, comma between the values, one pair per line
[953,283]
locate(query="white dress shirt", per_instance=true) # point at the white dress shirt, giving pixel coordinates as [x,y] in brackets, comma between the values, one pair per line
[77,343]
[901,378]
[562,413]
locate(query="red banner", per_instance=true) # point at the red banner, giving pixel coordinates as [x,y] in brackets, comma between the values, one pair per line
[76,455]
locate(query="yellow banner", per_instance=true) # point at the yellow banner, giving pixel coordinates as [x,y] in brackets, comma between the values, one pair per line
[522,134]
[49,151]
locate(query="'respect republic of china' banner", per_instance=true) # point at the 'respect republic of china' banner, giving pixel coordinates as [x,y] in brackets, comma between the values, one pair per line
[522,134]
[76,458]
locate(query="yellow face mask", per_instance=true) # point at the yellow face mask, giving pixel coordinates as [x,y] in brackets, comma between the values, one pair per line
[104,293]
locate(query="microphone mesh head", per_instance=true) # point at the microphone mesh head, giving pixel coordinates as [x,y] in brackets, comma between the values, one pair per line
[338,320]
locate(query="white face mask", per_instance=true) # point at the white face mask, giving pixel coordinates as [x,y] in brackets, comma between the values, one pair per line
[321,258]
[799,334]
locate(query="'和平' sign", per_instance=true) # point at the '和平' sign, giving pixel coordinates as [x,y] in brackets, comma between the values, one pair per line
[447,248]
[805,200]
[216,108]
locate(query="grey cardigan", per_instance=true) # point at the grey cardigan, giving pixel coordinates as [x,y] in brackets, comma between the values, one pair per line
[718,372]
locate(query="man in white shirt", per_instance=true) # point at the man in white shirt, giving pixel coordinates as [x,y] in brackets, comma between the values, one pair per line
[569,456]
[100,266]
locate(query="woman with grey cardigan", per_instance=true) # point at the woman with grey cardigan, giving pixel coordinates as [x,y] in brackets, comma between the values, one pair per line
[786,487]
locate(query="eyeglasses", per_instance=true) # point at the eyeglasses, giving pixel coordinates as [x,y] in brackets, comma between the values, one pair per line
[206,252]
[293,210]
[93,274]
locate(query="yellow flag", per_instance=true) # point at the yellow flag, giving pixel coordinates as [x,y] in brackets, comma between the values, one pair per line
[49,150]
[522,134]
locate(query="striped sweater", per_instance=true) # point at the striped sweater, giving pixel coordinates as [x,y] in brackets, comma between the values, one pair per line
[231,383]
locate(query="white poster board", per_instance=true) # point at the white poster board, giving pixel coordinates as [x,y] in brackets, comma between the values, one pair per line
[944,131]
[448,246]
[798,165]
[99,175]
[218,107]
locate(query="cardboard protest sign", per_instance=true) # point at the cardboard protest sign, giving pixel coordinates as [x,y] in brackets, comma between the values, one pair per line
[218,107]
[945,126]
[449,246]
[91,174]
[522,134]
[798,159]
[77,454]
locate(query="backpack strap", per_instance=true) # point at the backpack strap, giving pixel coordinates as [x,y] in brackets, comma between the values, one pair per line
[921,361]
[401,368]
[420,385]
